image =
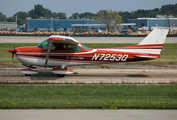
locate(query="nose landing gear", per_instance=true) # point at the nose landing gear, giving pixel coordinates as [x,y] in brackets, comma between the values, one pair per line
[61,72]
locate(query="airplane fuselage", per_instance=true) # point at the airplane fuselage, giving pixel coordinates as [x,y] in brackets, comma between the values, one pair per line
[35,56]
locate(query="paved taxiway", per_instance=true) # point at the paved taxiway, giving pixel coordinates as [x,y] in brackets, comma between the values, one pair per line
[88,114]
[15,39]
[93,76]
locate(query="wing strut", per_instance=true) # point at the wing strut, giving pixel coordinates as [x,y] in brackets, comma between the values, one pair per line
[48,52]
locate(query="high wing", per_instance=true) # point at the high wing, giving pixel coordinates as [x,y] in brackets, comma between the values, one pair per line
[59,39]
[63,39]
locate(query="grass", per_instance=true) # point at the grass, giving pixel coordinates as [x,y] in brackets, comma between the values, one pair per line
[168,53]
[89,96]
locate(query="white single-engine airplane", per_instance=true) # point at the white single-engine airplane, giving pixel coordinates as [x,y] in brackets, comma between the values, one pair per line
[59,52]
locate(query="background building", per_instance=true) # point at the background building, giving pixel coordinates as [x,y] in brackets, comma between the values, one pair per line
[152,22]
[7,26]
[76,25]
[55,24]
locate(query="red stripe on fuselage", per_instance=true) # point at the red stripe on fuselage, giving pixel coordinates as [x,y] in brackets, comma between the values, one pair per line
[149,46]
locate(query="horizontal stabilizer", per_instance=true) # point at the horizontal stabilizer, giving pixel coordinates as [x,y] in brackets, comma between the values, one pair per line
[148,57]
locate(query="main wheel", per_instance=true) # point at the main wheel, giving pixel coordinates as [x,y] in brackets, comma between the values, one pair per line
[27,74]
[60,75]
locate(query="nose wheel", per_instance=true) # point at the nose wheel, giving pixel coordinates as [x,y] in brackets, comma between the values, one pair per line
[61,72]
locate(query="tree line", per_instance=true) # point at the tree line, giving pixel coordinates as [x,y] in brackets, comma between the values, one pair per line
[39,12]
[164,10]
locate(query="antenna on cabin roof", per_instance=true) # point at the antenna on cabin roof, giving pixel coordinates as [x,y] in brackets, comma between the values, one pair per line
[70,34]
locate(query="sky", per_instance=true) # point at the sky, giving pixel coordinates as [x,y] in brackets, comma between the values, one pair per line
[10,7]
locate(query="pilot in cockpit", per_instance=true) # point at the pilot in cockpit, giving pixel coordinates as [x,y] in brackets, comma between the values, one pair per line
[59,47]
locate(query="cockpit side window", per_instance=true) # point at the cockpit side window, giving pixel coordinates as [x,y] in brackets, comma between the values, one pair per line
[73,48]
[44,44]
[58,47]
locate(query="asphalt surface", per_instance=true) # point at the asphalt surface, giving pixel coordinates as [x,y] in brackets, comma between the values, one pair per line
[93,76]
[15,39]
[67,114]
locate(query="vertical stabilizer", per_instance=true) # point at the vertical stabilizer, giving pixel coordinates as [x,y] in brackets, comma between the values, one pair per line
[154,41]
[157,36]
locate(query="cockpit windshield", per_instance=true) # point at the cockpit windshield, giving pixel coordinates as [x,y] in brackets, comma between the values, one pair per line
[85,47]
[44,44]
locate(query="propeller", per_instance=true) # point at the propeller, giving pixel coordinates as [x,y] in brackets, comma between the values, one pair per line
[14,51]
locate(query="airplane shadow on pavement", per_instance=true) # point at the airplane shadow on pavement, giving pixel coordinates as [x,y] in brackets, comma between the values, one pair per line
[51,76]
[137,75]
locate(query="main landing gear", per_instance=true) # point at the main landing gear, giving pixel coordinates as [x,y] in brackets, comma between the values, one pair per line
[60,75]
[27,74]
[61,72]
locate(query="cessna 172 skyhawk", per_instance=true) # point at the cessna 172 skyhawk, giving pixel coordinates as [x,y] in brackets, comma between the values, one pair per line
[59,52]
